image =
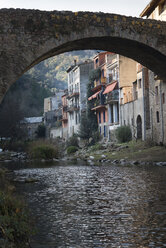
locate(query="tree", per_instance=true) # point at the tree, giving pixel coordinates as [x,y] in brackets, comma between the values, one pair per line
[88,124]
[10,120]
[41,131]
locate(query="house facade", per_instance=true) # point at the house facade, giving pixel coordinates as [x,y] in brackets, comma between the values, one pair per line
[53,114]
[31,125]
[78,79]
[156,9]
[117,75]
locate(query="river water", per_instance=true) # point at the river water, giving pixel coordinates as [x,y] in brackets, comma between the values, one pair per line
[79,206]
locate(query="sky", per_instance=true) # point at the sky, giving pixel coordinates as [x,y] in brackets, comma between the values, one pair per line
[124,7]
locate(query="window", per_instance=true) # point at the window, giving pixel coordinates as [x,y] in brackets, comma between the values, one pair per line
[102,72]
[139,83]
[76,120]
[112,113]
[103,116]
[157,117]
[99,117]
[163,98]
[157,94]
[135,93]
[104,131]
[117,112]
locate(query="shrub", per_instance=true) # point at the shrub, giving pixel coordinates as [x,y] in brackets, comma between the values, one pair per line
[43,150]
[96,147]
[14,221]
[71,149]
[72,141]
[123,134]
[16,146]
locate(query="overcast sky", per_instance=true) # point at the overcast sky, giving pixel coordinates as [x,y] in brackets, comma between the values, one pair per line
[124,7]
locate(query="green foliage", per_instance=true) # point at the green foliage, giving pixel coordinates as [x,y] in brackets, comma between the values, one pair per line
[95,75]
[88,124]
[96,147]
[51,73]
[71,149]
[43,150]
[41,131]
[72,141]
[14,221]
[14,145]
[123,134]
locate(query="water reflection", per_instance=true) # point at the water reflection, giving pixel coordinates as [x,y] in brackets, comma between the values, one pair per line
[98,206]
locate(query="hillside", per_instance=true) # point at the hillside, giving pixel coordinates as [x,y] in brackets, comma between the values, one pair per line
[51,73]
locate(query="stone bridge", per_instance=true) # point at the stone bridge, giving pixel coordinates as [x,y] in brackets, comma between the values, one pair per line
[30,36]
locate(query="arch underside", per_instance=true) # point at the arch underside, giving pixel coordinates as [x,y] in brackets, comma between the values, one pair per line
[146,55]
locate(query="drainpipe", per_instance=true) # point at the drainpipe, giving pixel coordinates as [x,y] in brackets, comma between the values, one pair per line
[143,101]
[118,79]
[162,119]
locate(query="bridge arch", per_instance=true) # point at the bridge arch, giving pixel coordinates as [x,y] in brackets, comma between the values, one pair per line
[29,36]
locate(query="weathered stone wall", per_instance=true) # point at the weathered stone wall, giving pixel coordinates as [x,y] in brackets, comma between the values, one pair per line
[157,104]
[30,36]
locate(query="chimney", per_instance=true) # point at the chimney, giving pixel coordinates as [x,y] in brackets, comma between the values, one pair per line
[75,62]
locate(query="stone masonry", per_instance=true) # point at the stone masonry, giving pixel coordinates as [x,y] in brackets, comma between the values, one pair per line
[29,36]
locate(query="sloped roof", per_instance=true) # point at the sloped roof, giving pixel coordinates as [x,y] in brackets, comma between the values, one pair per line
[38,119]
[149,8]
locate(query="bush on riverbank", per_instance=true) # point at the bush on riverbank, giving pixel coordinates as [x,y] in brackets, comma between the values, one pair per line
[16,145]
[14,222]
[71,149]
[72,141]
[43,150]
[123,134]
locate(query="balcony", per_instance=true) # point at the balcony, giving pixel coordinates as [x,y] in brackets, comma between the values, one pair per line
[112,96]
[73,108]
[99,103]
[98,84]
[73,94]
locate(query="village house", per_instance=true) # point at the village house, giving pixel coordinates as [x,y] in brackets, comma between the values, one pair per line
[78,79]
[117,75]
[31,125]
[53,114]
[156,9]
[64,119]
[134,104]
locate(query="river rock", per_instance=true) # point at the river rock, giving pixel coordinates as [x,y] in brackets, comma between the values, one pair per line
[161,163]
[103,156]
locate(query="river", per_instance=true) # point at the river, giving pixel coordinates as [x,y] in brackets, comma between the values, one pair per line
[80,206]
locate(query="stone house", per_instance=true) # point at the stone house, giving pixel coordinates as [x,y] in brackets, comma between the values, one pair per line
[156,9]
[53,113]
[134,105]
[31,125]
[78,79]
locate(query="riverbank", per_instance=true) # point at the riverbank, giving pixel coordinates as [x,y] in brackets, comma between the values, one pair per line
[128,153]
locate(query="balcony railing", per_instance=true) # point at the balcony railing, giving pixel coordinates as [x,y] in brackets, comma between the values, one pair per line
[73,107]
[73,94]
[112,96]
